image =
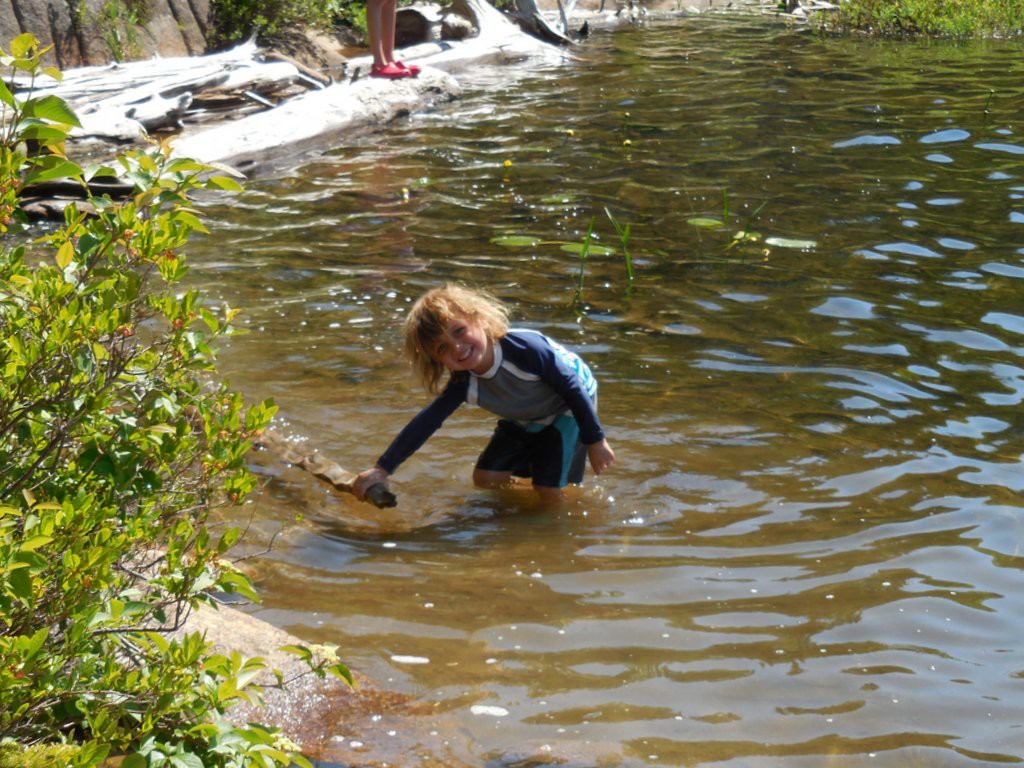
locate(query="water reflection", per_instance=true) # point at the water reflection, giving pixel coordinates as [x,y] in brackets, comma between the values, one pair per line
[809,551]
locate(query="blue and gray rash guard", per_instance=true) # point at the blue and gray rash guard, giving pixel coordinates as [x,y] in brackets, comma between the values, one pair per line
[532,380]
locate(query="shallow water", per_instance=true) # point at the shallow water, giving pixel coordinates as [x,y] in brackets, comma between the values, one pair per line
[808,552]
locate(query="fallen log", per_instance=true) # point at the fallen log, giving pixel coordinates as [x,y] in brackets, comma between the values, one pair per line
[498,39]
[322,468]
[533,21]
[309,119]
[124,102]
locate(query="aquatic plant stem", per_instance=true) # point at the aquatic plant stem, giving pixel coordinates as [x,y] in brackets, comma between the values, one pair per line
[583,260]
[623,233]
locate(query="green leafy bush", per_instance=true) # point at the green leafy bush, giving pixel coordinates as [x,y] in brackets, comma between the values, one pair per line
[236,20]
[939,18]
[116,444]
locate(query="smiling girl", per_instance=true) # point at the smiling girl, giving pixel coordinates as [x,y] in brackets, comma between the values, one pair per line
[544,395]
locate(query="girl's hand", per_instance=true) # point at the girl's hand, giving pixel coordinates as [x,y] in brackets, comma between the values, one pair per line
[601,456]
[367,479]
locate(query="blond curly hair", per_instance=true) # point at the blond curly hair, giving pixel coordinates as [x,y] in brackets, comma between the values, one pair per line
[429,318]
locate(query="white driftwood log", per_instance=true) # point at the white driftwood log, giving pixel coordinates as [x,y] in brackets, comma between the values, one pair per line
[499,40]
[306,120]
[123,102]
[530,18]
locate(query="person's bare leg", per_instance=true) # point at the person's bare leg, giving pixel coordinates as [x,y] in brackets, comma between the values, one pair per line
[387,29]
[486,478]
[375,30]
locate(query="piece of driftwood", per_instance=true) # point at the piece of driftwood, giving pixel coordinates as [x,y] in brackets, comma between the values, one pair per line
[128,101]
[533,21]
[499,39]
[312,118]
[321,468]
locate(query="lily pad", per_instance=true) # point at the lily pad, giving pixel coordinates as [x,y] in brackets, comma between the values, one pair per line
[592,250]
[516,241]
[790,242]
[706,222]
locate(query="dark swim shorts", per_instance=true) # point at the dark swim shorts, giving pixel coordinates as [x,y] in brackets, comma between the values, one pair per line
[552,456]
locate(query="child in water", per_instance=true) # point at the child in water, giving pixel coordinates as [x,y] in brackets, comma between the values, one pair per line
[544,394]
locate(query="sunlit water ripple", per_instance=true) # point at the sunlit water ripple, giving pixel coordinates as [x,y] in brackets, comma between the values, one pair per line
[808,552]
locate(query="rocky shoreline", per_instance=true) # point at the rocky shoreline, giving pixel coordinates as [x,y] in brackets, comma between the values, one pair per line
[330,720]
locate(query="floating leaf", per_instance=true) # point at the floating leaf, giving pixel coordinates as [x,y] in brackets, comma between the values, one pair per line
[516,241]
[790,242]
[704,221]
[592,250]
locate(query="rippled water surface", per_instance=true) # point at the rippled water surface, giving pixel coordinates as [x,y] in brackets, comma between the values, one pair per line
[809,551]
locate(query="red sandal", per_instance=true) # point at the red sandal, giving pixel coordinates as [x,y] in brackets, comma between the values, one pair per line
[391,71]
[413,69]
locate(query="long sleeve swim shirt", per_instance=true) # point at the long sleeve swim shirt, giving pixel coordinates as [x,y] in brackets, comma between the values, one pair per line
[532,381]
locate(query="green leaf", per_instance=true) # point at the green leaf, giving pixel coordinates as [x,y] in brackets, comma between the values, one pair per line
[34,543]
[517,241]
[190,220]
[789,242]
[5,94]
[223,182]
[30,646]
[237,583]
[44,133]
[97,171]
[229,539]
[298,650]
[51,108]
[592,250]
[705,222]
[22,45]
[186,760]
[53,170]
[65,254]
[342,672]
[19,583]
[134,760]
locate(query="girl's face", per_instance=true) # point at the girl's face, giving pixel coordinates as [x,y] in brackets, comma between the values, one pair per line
[464,346]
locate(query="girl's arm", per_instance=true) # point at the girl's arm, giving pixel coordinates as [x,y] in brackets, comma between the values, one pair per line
[561,375]
[557,373]
[413,436]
